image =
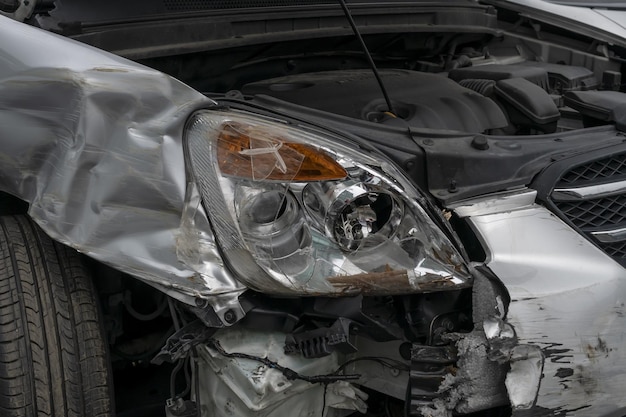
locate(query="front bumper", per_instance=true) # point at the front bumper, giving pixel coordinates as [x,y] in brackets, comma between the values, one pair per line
[567,297]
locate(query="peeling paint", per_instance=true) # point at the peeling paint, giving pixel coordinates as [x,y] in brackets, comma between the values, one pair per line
[556,354]
[393,282]
[477,383]
[597,349]
[564,372]
[570,304]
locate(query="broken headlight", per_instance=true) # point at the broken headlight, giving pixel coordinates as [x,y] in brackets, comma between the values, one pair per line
[298,211]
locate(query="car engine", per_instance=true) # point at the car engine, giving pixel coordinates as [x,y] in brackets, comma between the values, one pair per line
[525,98]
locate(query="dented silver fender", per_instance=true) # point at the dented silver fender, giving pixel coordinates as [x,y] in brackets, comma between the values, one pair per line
[113,187]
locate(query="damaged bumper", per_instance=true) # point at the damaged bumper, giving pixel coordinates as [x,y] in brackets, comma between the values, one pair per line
[247,370]
[463,377]
[479,370]
[569,303]
[475,380]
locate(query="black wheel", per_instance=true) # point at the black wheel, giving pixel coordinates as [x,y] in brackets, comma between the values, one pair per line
[53,359]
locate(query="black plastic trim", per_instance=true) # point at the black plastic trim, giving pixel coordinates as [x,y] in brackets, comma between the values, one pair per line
[457,170]
[550,177]
[144,29]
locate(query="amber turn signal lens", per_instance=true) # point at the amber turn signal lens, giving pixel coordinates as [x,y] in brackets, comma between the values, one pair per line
[259,153]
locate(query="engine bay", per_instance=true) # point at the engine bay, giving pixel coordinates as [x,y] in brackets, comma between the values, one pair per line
[524,98]
[510,84]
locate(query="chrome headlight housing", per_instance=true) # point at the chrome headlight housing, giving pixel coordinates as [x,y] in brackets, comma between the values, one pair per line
[298,211]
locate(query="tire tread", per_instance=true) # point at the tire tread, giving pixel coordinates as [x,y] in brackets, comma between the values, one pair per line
[53,359]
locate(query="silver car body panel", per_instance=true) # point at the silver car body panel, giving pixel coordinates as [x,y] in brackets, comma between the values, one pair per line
[603,25]
[567,298]
[94,143]
[616,16]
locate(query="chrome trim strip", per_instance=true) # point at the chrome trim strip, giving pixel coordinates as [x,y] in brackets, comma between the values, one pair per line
[589,192]
[610,236]
[495,203]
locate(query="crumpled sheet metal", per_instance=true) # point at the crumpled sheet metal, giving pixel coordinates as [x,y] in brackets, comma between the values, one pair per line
[568,299]
[94,143]
[493,368]
[476,384]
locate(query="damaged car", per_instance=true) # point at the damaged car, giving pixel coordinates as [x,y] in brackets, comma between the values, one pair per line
[312,208]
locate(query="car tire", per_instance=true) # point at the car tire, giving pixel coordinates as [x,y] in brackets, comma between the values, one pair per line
[53,356]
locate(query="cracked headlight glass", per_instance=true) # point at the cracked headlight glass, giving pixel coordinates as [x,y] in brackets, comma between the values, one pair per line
[299,211]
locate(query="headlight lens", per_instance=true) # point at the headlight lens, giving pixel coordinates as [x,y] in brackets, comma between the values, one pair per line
[297,211]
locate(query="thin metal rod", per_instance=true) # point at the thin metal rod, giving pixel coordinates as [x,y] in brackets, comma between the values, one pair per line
[346,11]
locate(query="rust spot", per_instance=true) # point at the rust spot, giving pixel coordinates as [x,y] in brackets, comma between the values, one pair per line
[389,282]
[451,369]
[193,278]
[598,349]
[444,256]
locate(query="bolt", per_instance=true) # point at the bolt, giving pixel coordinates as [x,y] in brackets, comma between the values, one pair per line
[480,142]
[230,317]
[201,303]
[452,188]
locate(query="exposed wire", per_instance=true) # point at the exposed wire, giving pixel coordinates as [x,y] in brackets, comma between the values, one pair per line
[388,362]
[324,398]
[187,370]
[287,372]
[185,364]
[196,379]
[173,375]
[173,313]
[187,390]
[355,29]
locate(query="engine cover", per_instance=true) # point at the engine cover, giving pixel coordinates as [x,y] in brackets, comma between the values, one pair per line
[422,99]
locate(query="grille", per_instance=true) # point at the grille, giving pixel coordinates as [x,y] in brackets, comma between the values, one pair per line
[597,170]
[600,212]
[616,249]
[595,213]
